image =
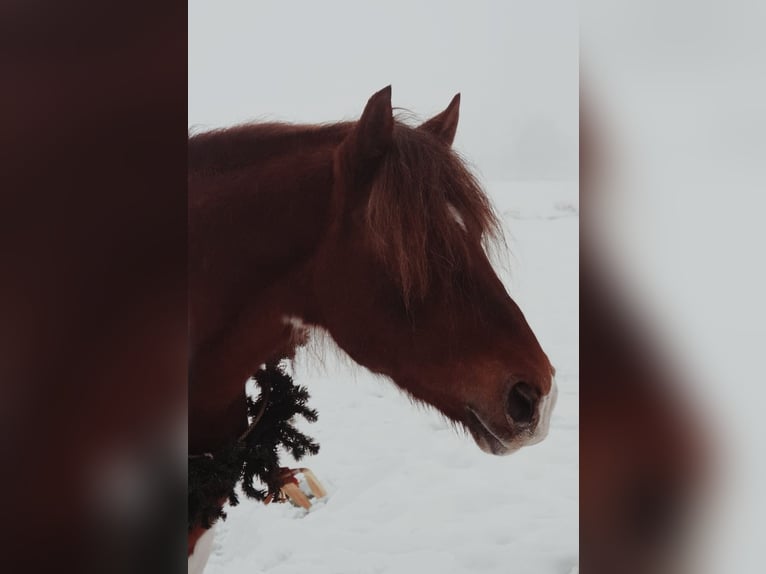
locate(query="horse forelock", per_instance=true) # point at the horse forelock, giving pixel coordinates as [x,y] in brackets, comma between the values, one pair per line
[424,212]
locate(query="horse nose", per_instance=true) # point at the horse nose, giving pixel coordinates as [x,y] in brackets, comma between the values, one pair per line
[522,404]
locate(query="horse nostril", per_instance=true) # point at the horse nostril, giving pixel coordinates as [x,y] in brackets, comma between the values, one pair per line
[522,403]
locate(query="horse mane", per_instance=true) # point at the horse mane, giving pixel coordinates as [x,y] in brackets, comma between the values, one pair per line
[424,211]
[232,148]
[425,207]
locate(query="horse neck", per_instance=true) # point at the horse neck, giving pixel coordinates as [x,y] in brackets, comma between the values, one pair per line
[254,227]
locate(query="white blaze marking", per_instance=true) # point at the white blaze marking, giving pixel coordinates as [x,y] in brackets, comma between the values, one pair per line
[296,322]
[546,411]
[456,216]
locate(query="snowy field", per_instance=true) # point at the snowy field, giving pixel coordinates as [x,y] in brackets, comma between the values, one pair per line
[407,494]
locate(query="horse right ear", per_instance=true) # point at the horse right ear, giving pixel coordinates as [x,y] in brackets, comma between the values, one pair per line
[373,134]
[444,125]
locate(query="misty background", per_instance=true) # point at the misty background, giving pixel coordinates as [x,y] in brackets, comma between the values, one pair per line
[514,62]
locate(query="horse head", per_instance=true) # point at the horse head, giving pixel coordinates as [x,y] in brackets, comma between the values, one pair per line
[403,283]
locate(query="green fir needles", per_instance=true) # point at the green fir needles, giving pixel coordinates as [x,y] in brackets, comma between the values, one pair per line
[213,477]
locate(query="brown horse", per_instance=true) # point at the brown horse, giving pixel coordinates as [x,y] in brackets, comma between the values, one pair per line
[376,232]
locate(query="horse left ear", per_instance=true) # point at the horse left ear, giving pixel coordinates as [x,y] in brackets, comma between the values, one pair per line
[374,130]
[444,125]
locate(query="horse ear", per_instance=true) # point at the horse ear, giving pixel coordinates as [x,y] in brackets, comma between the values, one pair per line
[373,134]
[444,125]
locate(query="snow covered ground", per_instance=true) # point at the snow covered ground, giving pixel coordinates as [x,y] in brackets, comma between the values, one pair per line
[407,494]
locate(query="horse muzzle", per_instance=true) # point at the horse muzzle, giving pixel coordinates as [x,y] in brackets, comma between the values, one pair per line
[527,420]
